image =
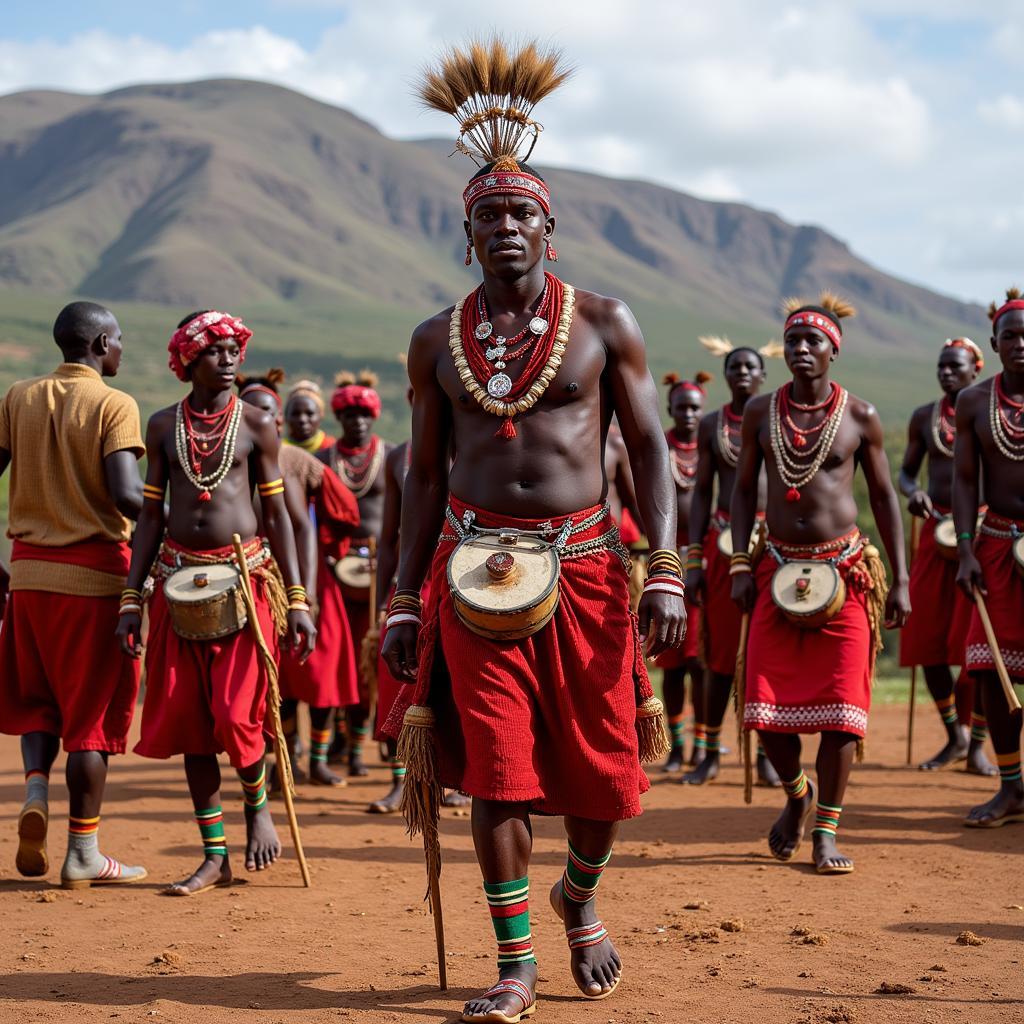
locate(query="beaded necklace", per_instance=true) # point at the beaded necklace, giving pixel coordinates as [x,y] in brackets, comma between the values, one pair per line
[360,466]
[1009,437]
[727,451]
[312,444]
[943,426]
[794,472]
[193,447]
[683,462]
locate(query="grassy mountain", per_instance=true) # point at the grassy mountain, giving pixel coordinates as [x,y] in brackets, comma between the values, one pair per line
[334,240]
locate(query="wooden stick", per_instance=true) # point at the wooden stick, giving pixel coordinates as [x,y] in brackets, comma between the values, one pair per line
[284,764]
[997,655]
[915,540]
[434,881]
[740,683]
[371,543]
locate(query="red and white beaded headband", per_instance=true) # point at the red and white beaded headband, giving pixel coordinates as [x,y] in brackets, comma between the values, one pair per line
[1006,307]
[812,318]
[969,346]
[508,183]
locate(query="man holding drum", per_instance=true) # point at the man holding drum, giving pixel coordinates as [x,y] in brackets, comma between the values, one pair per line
[528,654]
[205,689]
[358,458]
[936,631]
[989,448]
[818,594]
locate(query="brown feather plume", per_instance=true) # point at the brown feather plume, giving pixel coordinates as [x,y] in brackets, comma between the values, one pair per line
[772,349]
[1012,293]
[839,307]
[343,378]
[717,346]
[491,91]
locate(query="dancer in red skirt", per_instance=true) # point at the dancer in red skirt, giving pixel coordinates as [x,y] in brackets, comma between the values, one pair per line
[989,449]
[204,697]
[810,435]
[358,459]
[520,379]
[72,445]
[936,631]
[685,404]
[326,679]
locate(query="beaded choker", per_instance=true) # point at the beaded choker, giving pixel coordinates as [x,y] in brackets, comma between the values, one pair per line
[683,461]
[727,451]
[358,467]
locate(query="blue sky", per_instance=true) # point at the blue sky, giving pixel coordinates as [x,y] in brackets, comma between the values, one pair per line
[896,124]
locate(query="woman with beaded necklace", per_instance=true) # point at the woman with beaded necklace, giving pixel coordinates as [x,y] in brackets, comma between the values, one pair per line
[811,435]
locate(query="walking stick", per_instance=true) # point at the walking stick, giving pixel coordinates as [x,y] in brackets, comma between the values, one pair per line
[997,655]
[284,763]
[740,683]
[915,539]
[433,857]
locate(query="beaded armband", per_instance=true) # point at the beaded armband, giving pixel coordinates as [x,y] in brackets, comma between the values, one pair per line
[272,487]
[298,600]
[131,602]
[152,493]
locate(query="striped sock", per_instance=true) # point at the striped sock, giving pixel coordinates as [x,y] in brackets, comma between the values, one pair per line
[979,727]
[712,738]
[319,741]
[582,875]
[211,828]
[797,789]
[397,772]
[677,728]
[37,785]
[256,791]
[1009,767]
[509,904]
[700,736]
[826,820]
[947,709]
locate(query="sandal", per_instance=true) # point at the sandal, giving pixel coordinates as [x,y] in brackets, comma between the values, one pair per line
[513,987]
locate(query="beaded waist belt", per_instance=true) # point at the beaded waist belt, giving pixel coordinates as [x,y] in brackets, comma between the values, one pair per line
[999,526]
[838,552]
[172,557]
[558,537]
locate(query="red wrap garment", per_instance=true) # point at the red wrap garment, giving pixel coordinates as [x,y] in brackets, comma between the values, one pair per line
[809,680]
[936,632]
[327,679]
[549,720]
[61,670]
[205,696]
[1005,600]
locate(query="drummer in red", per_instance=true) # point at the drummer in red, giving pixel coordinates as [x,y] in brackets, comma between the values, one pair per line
[935,634]
[72,445]
[811,435]
[358,459]
[204,697]
[522,378]
[989,448]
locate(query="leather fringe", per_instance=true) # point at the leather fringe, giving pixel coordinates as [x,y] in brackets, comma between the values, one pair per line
[651,731]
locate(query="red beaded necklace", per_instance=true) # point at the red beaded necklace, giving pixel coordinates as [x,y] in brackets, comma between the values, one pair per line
[203,444]
[800,435]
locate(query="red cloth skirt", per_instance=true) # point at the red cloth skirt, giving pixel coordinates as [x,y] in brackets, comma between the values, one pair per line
[808,680]
[721,618]
[328,677]
[62,672]
[113,557]
[936,631]
[1005,601]
[205,696]
[388,687]
[549,720]
[678,657]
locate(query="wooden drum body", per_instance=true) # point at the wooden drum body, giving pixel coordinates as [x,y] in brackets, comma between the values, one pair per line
[205,601]
[353,574]
[1018,554]
[808,592]
[725,540]
[945,538]
[504,584]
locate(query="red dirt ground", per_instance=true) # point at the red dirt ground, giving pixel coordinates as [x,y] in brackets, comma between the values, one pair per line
[359,946]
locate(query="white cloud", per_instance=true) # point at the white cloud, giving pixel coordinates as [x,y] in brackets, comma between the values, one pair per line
[1004,111]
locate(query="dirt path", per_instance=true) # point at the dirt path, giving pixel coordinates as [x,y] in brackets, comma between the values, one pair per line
[359,946]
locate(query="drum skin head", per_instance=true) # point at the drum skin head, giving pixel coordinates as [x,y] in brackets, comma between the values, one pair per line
[824,595]
[533,577]
[181,587]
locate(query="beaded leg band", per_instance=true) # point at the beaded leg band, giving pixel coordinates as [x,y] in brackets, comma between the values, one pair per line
[586,935]
[796,789]
[1009,767]
[582,876]
[509,904]
[211,828]
[514,987]
[826,821]
[256,792]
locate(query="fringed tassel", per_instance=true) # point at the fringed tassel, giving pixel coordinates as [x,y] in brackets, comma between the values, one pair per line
[651,731]
[275,593]
[739,689]
[368,653]
[417,750]
[860,750]
[507,430]
[877,592]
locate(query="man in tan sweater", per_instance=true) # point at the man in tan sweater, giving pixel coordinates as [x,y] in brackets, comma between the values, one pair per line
[72,444]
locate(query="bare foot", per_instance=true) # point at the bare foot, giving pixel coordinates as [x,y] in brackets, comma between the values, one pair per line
[827,858]
[214,871]
[262,847]
[706,771]
[1006,806]
[596,966]
[787,833]
[954,750]
[675,761]
[274,781]
[978,762]
[321,775]
[514,996]
[766,773]
[389,804]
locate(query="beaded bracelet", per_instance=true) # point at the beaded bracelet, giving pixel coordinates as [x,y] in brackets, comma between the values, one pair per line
[130,609]
[397,618]
[739,569]
[965,536]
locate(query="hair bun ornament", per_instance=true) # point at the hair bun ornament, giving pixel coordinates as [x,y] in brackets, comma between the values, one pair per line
[1013,301]
[702,377]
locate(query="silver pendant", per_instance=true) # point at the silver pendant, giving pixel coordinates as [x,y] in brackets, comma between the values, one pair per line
[495,353]
[500,365]
[499,385]
[538,325]
[483,330]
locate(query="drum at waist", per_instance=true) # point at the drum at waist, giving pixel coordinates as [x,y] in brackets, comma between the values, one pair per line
[353,574]
[808,592]
[754,546]
[504,583]
[205,601]
[1018,554]
[945,537]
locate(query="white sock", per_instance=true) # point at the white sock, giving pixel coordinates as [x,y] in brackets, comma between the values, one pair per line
[37,787]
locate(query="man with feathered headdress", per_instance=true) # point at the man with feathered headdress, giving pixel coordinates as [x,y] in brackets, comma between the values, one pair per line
[936,631]
[817,595]
[522,378]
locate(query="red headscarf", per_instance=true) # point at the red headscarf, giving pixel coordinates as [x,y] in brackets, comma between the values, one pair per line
[357,396]
[200,333]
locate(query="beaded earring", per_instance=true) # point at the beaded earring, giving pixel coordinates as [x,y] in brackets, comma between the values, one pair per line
[551,252]
[469,253]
